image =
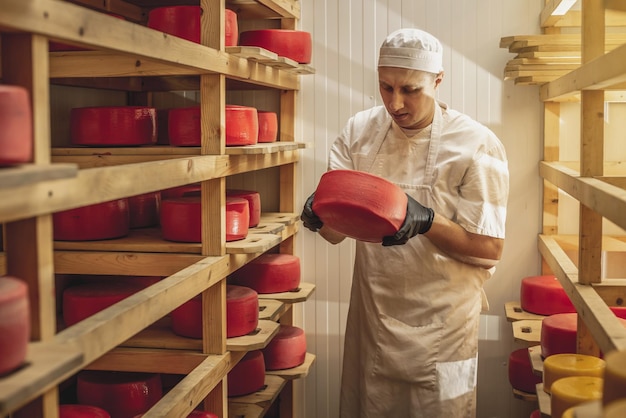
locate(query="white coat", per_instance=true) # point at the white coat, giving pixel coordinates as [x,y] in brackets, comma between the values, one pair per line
[411,338]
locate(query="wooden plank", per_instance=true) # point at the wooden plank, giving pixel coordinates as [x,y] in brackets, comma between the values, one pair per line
[267,228]
[573,19]
[302,294]
[263,398]
[297,372]
[256,340]
[253,52]
[514,312]
[28,174]
[549,16]
[271,309]
[527,331]
[146,360]
[285,218]
[255,9]
[615,5]
[544,401]
[536,359]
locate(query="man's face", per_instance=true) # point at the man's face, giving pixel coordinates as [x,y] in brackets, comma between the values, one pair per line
[409,95]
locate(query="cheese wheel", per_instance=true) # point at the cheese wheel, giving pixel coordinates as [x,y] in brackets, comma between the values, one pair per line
[544,295]
[113,126]
[183,127]
[83,300]
[237,218]
[521,375]
[615,377]
[286,350]
[82,411]
[591,409]
[615,409]
[105,220]
[193,189]
[144,209]
[254,203]
[16,126]
[242,125]
[180,21]
[619,311]
[248,375]
[563,365]
[121,394]
[268,126]
[231,28]
[242,310]
[270,273]
[558,334]
[187,318]
[536,414]
[181,219]
[574,390]
[294,44]
[14,323]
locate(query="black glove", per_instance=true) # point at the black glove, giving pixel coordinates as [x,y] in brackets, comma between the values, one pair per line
[308,217]
[418,220]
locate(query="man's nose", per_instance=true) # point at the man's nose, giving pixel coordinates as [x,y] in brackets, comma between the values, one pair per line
[396,102]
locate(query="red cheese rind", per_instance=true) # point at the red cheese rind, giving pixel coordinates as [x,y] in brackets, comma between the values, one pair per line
[180,21]
[270,273]
[93,222]
[121,394]
[231,28]
[360,205]
[558,334]
[268,126]
[181,191]
[294,44]
[248,376]
[14,323]
[536,414]
[544,295]
[187,318]
[113,126]
[286,350]
[254,203]
[181,219]
[82,411]
[242,125]
[184,126]
[521,376]
[237,218]
[144,209]
[16,127]
[242,310]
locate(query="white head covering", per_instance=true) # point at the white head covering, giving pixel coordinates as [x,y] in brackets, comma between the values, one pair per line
[413,49]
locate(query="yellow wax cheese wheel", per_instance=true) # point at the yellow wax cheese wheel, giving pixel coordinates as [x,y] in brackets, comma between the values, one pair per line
[615,375]
[575,390]
[591,409]
[615,409]
[558,366]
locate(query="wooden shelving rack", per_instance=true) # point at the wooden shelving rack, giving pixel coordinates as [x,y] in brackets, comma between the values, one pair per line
[132,335]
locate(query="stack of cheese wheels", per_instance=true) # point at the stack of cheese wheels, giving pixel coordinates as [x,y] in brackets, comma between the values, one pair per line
[93,222]
[270,273]
[16,126]
[237,218]
[590,409]
[242,310]
[615,409]
[248,376]
[121,394]
[268,126]
[293,44]
[286,350]
[544,295]
[14,323]
[558,334]
[242,125]
[83,300]
[100,126]
[615,377]
[231,28]
[82,411]
[563,365]
[574,390]
[254,203]
[144,209]
[521,375]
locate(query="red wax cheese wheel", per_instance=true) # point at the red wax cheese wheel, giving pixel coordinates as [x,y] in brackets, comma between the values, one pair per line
[82,411]
[558,334]
[113,126]
[181,219]
[187,318]
[242,125]
[16,126]
[183,126]
[286,350]
[237,218]
[231,28]
[521,376]
[270,273]
[544,295]
[619,311]
[360,205]
[294,44]
[180,21]
[163,137]
[181,191]
[254,203]
[14,323]
[94,222]
[83,300]
[268,126]
[248,376]
[536,414]
[121,394]
[242,310]
[144,209]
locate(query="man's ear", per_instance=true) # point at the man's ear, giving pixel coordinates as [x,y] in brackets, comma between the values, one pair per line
[438,79]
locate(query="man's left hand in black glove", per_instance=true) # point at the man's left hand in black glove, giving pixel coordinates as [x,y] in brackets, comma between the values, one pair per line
[418,220]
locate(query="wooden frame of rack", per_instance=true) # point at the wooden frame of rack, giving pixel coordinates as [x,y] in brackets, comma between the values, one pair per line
[122,337]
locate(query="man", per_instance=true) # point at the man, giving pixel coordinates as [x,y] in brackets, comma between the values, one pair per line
[411,336]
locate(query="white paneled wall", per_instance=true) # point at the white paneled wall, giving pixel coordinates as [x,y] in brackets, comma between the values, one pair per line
[346,36]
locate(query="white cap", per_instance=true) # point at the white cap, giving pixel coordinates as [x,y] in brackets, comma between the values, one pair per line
[413,49]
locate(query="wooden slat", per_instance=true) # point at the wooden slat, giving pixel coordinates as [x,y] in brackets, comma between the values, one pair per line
[302,294]
[271,309]
[239,406]
[527,331]
[615,5]
[547,17]
[297,372]
[147,360]
[29,174]
[514,312]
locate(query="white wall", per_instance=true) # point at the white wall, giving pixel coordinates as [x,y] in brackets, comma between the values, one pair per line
[346,36]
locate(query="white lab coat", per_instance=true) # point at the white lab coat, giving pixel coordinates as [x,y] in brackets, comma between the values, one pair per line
[411,337]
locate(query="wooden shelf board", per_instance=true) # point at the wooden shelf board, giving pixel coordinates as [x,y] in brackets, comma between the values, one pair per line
[240,405]
[544,401]
[28,174]
[146,360]
[525,396]
[267,228]
[270,309]
[527,331]
[514,312]
[536,360]
[302,294]
[295,372]
[257,340]
[264,9]
[280,217]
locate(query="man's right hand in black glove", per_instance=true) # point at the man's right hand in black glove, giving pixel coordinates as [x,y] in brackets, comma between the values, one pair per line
[308,217]
[418,220]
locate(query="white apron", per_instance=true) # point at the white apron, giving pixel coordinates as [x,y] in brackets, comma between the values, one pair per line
[411,337]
